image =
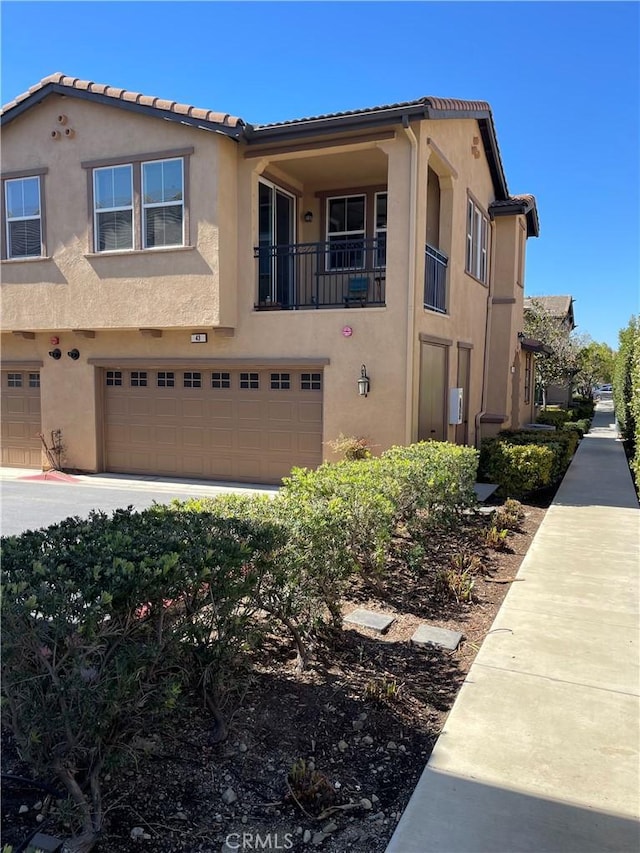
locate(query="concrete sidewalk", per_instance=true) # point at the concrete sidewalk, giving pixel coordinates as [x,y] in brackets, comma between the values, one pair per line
[541,750]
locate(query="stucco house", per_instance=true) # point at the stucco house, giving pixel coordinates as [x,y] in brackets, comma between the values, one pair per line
[184,293]
[560,308]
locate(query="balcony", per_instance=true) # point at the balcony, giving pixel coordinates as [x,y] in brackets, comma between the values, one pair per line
[339,273]
[435,280]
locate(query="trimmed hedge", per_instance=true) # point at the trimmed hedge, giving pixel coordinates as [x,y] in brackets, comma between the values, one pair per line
[519,469]
[515,470]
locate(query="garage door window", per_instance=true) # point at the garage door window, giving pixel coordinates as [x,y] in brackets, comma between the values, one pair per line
[114,377]
[14,380]
[249,380]
[280,381]
[192,379]
[166,379]
[138,378]
[220,380]
[34,380]
[311,382]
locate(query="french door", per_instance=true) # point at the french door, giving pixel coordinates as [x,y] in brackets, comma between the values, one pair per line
[276,224]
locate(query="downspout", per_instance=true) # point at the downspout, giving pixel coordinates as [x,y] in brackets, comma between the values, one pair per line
[487,348]
[413,216]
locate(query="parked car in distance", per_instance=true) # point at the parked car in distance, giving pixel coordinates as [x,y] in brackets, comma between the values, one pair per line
[603,392]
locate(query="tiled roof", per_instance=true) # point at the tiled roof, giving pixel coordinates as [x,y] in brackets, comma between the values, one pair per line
[438,104]
[527,200]
[124,95]
[557,306]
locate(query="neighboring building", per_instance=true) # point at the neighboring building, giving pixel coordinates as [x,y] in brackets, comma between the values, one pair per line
[561,309]
[214,290]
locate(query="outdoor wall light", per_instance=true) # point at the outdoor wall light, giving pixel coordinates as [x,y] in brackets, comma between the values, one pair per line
[308,217]
[74,354]
[364,383]
[55,353]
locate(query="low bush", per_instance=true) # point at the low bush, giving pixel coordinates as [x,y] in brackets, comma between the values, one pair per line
[553,417]
[509,516]
[562,444]
[108,622]
[582,408]
[518,469]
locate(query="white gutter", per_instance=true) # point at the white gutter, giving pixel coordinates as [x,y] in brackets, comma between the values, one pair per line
[413,216]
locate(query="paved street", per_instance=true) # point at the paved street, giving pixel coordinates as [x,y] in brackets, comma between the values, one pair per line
[28,504]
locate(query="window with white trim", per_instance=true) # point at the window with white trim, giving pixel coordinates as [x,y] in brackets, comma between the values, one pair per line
[280,381]
[477,242]
[34,380]
[140,204]
[163,203]
[220,379]
[113,208]
[14,380]
[311,382]
[166,379]
[23,211]
[346,231]
[250,381]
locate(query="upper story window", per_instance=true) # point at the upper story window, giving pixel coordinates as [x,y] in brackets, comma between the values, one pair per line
[23,210]
[162,203]
[381,229]
[477,242]
[113,208]
[140,202]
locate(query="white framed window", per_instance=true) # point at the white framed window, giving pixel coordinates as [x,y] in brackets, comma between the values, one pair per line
[346,231]
[477,241]
[113,208]
[141,202]
[311,382]
[23,207]
[163,203]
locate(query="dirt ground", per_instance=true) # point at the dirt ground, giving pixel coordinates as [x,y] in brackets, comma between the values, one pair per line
[324,759]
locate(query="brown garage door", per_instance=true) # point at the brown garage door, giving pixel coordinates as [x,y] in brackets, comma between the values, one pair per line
[21,446]
[237,425]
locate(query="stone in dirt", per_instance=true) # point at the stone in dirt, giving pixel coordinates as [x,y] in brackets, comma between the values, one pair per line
[378,622]
[429,635]
[229,797]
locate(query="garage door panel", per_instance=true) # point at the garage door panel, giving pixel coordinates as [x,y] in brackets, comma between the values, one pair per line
[141,434]
[249,439]
[221,438]
[193,408]
[310,412]
[281,440]
[166,435]
[237,434]
[194,437]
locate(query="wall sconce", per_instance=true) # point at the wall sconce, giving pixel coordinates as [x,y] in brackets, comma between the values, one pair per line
[308,217]
[364,383]
[74,354]
[55,353]
[521,336]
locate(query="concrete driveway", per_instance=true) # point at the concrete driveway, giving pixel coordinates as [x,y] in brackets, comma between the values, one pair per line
[30,504]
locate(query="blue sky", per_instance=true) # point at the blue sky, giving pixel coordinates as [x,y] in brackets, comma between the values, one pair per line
[563,80]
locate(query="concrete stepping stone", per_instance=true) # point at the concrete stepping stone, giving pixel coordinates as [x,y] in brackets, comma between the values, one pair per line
[429,635]
[484,490]
[374,621]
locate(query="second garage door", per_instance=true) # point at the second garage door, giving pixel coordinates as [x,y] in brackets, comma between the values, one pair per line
[21,445]
[234,425]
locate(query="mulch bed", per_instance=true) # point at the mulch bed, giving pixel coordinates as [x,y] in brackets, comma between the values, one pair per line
[324,759]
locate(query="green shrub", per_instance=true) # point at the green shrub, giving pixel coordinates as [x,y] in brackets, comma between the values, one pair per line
[582,408]
[509,516]
[553,417]
[519,469]
[108,622]
[433,476]
[562,444]
[575,426]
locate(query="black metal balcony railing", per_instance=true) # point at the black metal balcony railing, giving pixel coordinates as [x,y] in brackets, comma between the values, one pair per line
[341,272]
[435,280]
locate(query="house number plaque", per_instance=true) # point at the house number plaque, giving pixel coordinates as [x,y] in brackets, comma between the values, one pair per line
[199,338]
